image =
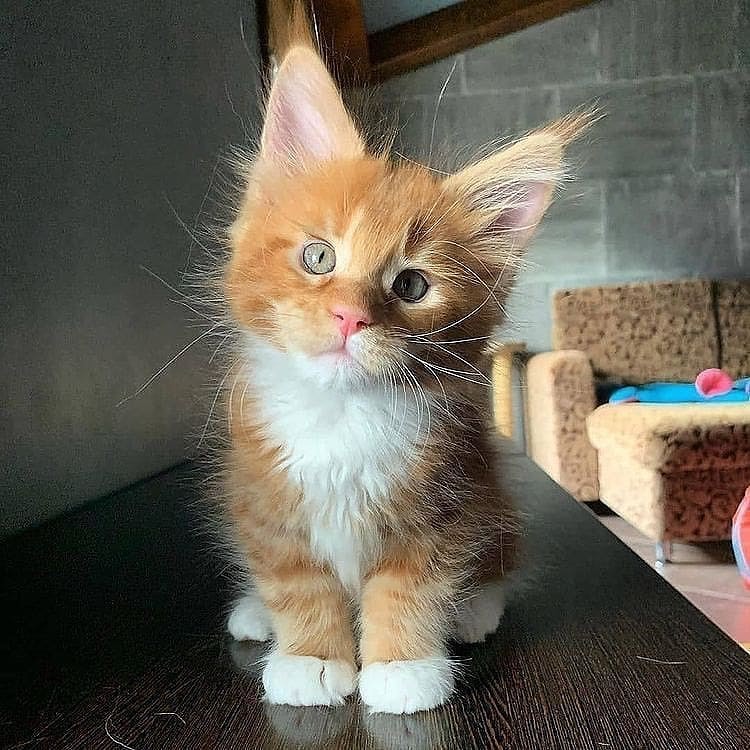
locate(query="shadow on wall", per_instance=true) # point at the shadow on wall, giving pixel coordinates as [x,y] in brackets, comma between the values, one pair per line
[117,113]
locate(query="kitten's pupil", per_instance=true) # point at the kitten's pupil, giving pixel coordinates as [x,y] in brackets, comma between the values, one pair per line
[410,286]
[318,257]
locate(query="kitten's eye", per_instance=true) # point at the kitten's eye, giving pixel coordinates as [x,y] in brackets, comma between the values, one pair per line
[410,286]
[318,257]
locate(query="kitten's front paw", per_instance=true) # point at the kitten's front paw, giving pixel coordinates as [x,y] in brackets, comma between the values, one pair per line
[307,680]
[249,620]
[403,687]
[480,615]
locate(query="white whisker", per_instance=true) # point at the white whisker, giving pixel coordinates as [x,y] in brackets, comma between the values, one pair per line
[458,341]
[177,291]
[464,361]
[460,374]
[185,226]
[437,106]
[161,369]
[216,351]
[213,403]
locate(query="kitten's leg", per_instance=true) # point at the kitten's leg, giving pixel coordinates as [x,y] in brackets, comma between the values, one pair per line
[404,631]
[313,661]
[249,619]
[480,613]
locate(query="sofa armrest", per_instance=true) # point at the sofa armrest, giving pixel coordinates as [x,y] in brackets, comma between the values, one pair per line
[560,396]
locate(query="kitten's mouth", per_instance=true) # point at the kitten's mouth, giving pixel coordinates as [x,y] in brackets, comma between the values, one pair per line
[337,356]
[342,361]
[344,351]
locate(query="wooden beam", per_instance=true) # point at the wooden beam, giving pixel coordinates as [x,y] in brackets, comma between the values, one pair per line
[337,26]
[455,28]
[263,21]
[341,25]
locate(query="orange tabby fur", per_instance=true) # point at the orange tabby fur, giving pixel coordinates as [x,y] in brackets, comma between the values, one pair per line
[377,575]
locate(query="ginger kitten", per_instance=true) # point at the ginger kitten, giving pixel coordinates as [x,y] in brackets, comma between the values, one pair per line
[362,486]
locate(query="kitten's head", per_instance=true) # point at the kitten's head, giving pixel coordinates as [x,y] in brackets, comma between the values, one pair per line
[364,269]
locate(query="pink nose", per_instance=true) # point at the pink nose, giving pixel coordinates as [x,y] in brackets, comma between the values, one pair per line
[350,320]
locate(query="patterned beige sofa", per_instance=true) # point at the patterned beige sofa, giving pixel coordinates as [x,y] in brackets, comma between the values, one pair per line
[673,471]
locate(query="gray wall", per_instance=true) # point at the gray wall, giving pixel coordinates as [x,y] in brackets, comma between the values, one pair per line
[381,14]
[664,179]
[112,111]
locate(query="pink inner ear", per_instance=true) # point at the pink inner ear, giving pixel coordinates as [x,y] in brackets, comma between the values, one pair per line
[294,127]
[526,206]
[306,121]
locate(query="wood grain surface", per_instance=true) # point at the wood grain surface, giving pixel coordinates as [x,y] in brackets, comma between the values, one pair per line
[112,637]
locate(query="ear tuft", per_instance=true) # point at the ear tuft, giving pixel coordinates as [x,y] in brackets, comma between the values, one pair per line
[306,120]
[509,191]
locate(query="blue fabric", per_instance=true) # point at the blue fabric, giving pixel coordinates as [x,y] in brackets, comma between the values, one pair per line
[679,393]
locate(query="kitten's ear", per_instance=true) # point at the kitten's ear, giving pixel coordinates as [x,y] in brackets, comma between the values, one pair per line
[306,121]
[509,191]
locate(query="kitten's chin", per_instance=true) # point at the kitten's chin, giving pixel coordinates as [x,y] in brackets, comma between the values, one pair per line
[339,369]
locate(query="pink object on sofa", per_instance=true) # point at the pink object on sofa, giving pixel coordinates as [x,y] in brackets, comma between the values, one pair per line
[713,382]
[741,538]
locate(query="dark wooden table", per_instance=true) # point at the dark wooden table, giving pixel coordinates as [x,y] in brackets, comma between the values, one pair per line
[112,638]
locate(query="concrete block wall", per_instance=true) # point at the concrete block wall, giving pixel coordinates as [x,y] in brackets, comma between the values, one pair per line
[663,187]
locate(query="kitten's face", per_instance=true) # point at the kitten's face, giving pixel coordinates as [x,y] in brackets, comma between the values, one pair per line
[368,271]
[360,269]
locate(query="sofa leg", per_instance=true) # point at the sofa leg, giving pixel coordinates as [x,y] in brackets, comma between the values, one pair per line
[663,552]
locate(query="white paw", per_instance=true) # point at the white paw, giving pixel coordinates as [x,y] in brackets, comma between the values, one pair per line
[307,680]
[249,620]
[403,687]
[480,615]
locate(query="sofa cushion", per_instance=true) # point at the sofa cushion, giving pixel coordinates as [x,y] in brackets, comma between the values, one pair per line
[636,333]
[673,437]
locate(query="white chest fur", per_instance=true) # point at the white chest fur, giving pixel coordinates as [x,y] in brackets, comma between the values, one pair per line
[345,449]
